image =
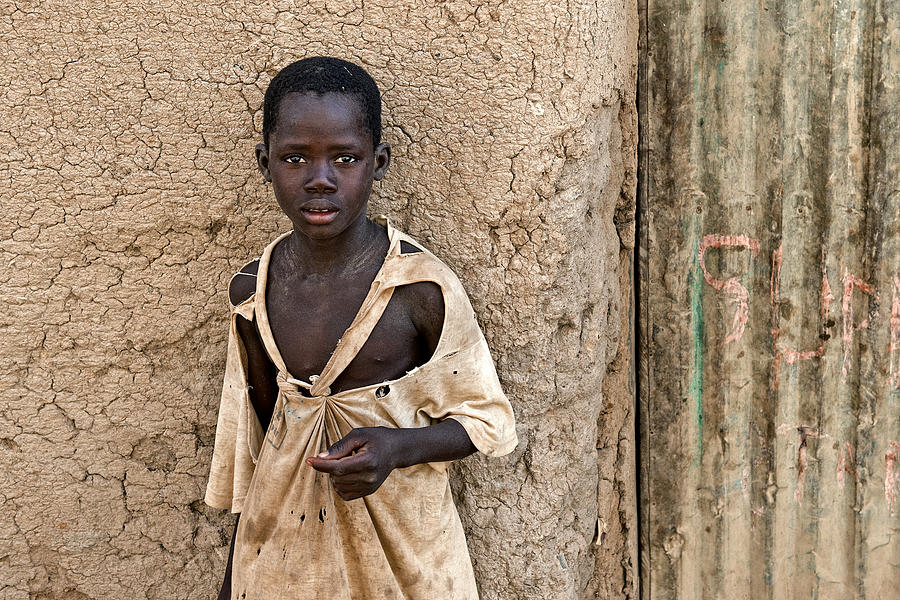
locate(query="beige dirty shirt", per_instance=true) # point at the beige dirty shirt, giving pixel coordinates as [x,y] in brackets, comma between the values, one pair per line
[297,538]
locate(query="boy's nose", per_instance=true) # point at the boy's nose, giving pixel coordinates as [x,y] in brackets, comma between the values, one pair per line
[321,179]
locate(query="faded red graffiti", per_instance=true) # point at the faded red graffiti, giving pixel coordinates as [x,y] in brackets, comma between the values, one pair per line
[826,297]
[851,282]
[806,433]
[845,464]
[891,464]
[740,296]
[731,286]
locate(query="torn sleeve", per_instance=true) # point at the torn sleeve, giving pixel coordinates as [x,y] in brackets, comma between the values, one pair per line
[461,383]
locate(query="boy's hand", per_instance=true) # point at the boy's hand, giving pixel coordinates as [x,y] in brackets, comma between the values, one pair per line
[360,462]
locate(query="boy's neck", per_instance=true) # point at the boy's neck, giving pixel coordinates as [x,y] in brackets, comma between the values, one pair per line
[348,253]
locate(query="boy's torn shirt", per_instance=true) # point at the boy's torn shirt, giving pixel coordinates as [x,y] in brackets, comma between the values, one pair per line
[297,538]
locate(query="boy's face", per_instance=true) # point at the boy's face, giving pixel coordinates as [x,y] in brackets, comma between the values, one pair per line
[321,162]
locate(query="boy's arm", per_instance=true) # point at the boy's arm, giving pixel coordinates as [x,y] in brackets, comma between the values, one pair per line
[260,370]
[361,461]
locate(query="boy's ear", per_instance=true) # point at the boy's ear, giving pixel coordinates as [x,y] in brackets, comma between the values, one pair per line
[262,161]
[382,160]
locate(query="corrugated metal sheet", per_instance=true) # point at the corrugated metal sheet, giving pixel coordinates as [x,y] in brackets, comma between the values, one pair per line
[770,299]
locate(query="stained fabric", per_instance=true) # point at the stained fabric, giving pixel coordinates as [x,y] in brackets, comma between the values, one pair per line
[296,536]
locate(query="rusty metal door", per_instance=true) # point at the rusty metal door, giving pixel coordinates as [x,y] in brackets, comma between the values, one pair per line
[770,299]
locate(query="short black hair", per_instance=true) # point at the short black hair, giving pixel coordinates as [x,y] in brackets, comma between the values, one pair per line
[323,75]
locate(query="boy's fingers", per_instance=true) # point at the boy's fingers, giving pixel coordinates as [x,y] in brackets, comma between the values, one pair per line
[338,466]
[343,447]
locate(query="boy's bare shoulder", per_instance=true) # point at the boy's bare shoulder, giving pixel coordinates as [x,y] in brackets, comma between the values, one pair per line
[423,304]
[423,297]
[423,301]
[243,283]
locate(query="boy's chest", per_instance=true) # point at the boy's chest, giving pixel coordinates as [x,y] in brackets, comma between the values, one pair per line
[308,320]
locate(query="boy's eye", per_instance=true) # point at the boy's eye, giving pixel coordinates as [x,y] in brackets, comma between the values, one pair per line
[295,159]
[345,159]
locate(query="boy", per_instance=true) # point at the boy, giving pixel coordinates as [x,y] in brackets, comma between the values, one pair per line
[357,351]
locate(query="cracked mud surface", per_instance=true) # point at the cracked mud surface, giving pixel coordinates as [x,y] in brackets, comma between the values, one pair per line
[130,196]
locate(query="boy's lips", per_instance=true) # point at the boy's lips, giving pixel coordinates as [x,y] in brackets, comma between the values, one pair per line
[319,213]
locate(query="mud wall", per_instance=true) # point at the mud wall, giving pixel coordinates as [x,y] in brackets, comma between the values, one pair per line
[130,195]
[770,295]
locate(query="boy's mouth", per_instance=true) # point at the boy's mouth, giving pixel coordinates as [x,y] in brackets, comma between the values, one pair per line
[319,215]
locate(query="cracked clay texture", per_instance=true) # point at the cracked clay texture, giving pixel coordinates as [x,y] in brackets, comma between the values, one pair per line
[130,196]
